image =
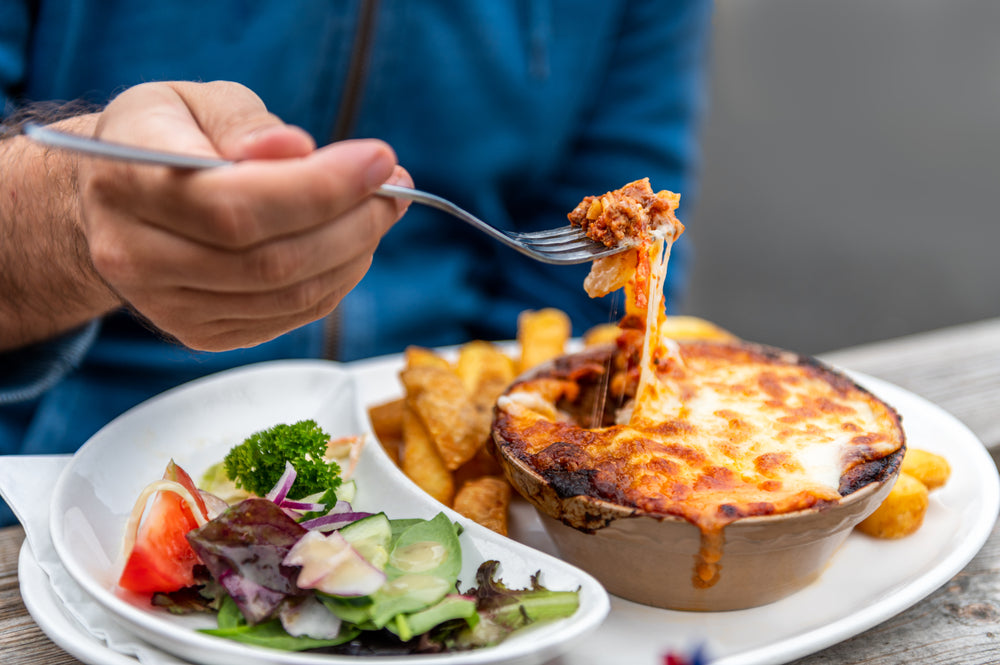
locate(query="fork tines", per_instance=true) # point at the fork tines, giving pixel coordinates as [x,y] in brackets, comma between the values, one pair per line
[566,244]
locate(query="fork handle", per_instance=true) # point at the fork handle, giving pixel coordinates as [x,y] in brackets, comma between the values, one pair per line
[434,201]
[410,194]
[122,152]
[119,151]
[129,153]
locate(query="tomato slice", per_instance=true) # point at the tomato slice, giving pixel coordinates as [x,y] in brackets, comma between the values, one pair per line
[161,558]
[181,476]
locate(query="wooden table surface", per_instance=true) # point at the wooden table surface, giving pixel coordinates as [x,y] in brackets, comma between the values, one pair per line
[958,368]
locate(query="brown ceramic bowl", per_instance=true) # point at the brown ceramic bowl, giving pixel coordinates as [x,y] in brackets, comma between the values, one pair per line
[652,557]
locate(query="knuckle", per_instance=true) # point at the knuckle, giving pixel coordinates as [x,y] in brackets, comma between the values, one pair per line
[369,227]
[344,281]
[112,260]
[201,341]
[273,264]
[102,184]
[326,304]
[211,336]
[305,296]
[232,222]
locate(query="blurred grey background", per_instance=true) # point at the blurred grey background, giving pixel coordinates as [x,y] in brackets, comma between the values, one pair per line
[851,174]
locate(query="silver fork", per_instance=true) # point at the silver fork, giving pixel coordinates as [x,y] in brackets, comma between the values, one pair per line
[562,246]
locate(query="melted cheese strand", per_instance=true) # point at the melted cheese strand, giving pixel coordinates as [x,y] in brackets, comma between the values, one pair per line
[652,393]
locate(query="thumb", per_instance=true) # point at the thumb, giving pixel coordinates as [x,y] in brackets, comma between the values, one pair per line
[239,125]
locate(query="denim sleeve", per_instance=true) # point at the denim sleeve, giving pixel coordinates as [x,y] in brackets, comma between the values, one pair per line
[14,35]
[27,373]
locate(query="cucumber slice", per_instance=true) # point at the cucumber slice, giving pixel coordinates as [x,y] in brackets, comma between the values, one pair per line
[347,491]
[370,536]
[399,525]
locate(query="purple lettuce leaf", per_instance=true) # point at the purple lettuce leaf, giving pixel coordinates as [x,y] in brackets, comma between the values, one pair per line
[243,549]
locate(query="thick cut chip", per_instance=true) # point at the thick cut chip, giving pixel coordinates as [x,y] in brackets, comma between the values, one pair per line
[604,333]
[418,356]
[486,501]
[930,469]
[387,419]
[483,464]
[484,368]
[543,335]
[437,396]
[694,328]
[421,461]
[485,372]
[673,327]
[901,513]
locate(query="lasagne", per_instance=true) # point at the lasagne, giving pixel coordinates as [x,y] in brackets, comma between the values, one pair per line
[710,432]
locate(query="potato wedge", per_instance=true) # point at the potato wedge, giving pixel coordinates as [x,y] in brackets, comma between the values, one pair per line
[604,333]
[437,396]
[486,372]
[485,500]
[387,419]
[930,469]
[483,464]
[483,366]
[421,461]
[393,448]
[694,328]
[543,335]
[418,356]
[901,513]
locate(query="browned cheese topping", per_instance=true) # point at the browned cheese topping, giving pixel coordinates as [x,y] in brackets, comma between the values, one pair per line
[753,432]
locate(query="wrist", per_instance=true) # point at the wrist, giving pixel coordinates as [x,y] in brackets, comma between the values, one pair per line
[48,284]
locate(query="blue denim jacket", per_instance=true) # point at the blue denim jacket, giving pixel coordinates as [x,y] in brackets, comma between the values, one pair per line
[515,110]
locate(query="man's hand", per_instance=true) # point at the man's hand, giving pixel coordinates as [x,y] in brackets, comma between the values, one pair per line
[233,256]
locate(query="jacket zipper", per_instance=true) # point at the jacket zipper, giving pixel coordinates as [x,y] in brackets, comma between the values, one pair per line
[347,115]
[350,101]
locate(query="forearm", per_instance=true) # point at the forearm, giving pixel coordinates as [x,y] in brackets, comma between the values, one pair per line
[48,284]
[217,259]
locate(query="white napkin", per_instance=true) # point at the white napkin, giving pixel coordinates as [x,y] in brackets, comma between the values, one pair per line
[26,484]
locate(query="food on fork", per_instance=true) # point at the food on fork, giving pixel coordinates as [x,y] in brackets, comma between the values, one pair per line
[629,216]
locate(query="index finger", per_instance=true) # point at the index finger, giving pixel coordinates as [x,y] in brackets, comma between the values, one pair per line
[260,200]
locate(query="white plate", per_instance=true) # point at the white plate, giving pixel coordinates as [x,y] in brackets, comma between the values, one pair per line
[196,425]
[50,614]
[867,582]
